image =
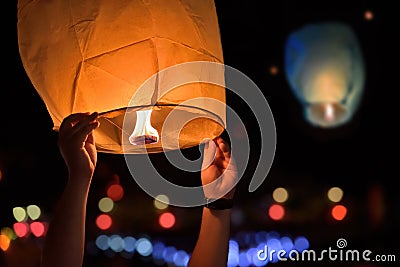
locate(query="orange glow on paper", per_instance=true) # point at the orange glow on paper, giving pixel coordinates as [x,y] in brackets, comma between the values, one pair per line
[339,212]
[104,221]
[167,220]
[96,55]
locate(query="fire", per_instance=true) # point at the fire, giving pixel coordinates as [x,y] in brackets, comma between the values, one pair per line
[144,132]
[329,112]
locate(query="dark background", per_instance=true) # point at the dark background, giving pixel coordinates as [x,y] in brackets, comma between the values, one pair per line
[360,157]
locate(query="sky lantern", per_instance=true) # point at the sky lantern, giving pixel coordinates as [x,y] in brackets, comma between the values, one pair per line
[112,57]
[325,70]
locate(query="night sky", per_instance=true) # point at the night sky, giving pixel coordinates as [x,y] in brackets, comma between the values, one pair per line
[359,157]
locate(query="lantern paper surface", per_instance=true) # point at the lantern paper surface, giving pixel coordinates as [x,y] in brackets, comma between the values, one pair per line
[325,70]
[95,55]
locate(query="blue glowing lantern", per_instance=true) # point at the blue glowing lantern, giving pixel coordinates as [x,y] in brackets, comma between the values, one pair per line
[325,70]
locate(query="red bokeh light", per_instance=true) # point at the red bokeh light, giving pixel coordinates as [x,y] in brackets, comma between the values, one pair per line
[166,220]
[37,229]
[339,212]
[115,192]
[21,229]
[104,221]
[276,212]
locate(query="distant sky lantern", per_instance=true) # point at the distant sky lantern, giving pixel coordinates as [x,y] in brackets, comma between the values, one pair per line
[325,69]
[99,54]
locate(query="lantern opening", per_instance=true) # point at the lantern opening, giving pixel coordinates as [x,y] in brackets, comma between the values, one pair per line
[123,131]
[144,132]
[327,114]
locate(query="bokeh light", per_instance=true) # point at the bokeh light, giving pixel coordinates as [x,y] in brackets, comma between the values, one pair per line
[237,216]
[276,212]
[335,194]
[287,243]
[37,229]
[368,15]
[116,243]
[104,221]
[19,214]
[21,229]
[161,202]
[115,192]
[242,249]
[280,195]
[233,253]
[169,253]
[301,243]
[243,259]
[7,231]
[130,243]
[166,220]
[144,246]
[33,212]
[102,242]
[252,255]
[4,242]
[106,204]
[339,212]
[273,70]
[181,258]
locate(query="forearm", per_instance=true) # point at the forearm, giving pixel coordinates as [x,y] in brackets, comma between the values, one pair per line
[64,244]
[211,249]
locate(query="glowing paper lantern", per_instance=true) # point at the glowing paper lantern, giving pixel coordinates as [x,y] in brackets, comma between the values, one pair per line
[325,70]
[87,56]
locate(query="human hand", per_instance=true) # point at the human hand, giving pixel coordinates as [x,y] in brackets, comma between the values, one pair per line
[77,145]
[219,166]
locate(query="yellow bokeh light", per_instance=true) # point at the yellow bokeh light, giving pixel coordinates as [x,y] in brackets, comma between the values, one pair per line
[161,202]
[335,194]
[106,204]
[19,214]
[33,212]
[7,231]
[280,194]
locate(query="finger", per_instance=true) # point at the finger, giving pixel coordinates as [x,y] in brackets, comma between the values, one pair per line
[84,132]
[85,121]
[208,154]
[224,147]
[72,118]
[90,135]
[219,155]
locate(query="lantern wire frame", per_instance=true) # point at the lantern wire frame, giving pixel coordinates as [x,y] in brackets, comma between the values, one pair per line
[119,124]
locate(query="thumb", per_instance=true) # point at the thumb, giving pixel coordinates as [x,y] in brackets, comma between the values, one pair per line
[208,154]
